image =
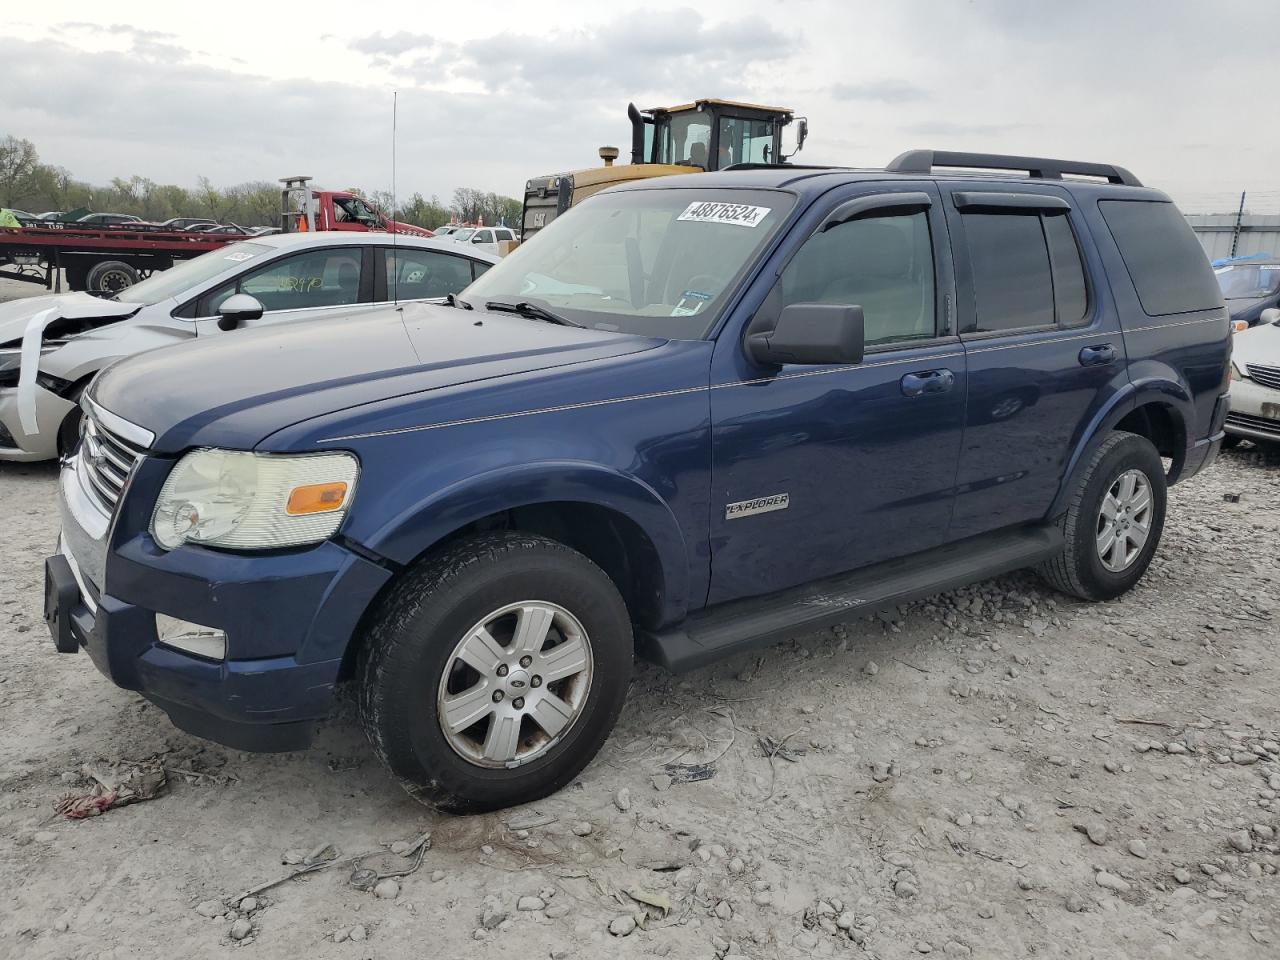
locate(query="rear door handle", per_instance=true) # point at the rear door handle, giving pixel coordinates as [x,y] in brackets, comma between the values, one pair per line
[927,381]
[1097,355]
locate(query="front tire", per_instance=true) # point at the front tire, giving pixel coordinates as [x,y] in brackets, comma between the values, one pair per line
[1113,522]
[494,671]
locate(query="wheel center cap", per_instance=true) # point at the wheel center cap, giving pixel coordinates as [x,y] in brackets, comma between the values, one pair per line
[517,682]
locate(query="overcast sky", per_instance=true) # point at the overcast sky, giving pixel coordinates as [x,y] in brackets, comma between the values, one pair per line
[493,92]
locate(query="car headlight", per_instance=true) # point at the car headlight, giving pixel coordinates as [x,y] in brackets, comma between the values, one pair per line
[253,501]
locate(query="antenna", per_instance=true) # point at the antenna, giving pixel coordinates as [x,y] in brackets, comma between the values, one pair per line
[395,260]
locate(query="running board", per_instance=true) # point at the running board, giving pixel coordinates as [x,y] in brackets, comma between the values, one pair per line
[740,625]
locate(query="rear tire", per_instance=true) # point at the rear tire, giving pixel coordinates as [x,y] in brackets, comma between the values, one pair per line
[1113,522]
[463,609]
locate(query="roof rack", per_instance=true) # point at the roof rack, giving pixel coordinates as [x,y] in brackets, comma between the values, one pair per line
[752,165]
[1040,168]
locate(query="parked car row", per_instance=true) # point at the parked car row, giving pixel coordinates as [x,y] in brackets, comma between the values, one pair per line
[691,416]
[191,224]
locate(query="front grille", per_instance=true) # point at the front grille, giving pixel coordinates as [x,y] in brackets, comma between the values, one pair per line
[107,459]
[1248,420]
[1267,376]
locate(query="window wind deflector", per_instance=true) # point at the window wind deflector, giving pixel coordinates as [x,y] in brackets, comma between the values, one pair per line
[974,201]
[876,205]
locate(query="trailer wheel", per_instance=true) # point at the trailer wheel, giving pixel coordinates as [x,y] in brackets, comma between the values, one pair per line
[111,276]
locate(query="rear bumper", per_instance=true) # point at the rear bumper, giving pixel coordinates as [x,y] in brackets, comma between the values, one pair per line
[1202,453]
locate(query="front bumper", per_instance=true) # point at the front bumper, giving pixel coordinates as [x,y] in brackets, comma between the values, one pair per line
[1255,411]
[16,442]
[288,616]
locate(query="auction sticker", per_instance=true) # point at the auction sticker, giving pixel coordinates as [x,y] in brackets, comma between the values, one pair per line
[714,211]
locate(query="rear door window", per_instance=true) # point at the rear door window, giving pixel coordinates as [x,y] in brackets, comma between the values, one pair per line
[1027,270]
[424,274]
[1169,269]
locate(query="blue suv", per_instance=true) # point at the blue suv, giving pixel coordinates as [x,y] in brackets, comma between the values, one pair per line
[692,416]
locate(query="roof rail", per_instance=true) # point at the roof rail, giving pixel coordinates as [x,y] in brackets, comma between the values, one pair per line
[751,165]
[1040,168]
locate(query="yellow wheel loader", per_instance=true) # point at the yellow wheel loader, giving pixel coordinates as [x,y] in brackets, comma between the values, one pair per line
[691,138]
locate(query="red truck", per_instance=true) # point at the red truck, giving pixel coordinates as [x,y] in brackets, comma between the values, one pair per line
[105,259]
[303,208]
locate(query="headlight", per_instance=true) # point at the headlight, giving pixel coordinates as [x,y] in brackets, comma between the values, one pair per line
[254,501]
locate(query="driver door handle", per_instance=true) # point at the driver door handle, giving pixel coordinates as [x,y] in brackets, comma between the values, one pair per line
[927,381]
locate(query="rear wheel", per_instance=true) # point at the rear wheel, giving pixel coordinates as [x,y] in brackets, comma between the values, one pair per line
[1113,522]
[494,671]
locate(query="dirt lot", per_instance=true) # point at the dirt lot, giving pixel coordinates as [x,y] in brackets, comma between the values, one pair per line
[968,777]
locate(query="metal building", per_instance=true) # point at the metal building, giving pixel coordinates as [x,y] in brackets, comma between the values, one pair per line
[1256,233]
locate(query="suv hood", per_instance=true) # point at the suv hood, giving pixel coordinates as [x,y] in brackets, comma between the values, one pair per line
[234,389]
[16,314]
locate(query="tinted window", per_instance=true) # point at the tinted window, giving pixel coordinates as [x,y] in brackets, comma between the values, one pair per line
[423,274]
[882,264]
[1070,294]
[1167,264]
[321,278]
[1012,284]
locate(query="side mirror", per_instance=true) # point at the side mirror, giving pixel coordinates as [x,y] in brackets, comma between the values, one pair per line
[477,239]
[236,309]
[812,333]
[802,133]
[1270,315]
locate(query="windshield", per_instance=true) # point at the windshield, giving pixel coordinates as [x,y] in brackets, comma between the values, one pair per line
[181,277]
[1247,281]
[462,234]
[658,263]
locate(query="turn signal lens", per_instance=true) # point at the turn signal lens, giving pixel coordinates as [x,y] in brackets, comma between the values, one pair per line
[316,498]
[1239,326]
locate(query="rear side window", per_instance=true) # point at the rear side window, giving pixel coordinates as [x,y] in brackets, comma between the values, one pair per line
[1012,281]
[1027,271]
[1168,266]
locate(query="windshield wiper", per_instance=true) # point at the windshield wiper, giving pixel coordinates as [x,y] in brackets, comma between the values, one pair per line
[526,309]
[453,301]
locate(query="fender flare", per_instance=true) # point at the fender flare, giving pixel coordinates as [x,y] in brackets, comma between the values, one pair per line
[1153,390]
[409,534]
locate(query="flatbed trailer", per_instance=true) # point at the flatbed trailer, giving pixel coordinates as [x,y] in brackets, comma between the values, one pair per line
[100,260]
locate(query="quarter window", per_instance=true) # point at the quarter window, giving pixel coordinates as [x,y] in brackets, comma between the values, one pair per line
[1027,271]
[882,264]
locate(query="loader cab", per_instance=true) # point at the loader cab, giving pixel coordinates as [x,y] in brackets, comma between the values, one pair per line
[690,138]
[711,134]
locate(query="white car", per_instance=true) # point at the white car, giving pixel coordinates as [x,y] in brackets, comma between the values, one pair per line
[51,346]
[482,238]
[1255,382]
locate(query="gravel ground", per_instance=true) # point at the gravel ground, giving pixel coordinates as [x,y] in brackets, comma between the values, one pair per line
[997,772]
